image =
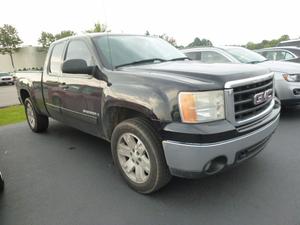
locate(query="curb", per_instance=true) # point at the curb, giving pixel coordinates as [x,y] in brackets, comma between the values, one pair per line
[6,106]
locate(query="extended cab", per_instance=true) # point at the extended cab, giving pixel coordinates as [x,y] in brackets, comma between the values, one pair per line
[163,114]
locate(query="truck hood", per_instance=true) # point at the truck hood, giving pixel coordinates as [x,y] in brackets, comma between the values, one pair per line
[191,71]
[279,66]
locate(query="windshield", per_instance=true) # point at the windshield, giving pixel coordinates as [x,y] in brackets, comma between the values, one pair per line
[125,50]
[244,55]
[4,74]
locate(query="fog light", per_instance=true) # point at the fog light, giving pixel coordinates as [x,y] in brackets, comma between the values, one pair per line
[215,165]
[296,91]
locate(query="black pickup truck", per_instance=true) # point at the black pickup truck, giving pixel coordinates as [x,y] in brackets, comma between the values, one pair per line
[163,114]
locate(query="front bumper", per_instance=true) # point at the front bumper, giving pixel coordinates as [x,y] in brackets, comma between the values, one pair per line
[6,81]
[190,159]
[287,92]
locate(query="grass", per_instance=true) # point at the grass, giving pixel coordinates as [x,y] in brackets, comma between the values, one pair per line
[12,114]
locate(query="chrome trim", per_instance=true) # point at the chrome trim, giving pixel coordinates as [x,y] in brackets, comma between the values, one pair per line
[229,106]
[256,117]
[229,99]
[221,143]
[192,157]
[90,112]
[251,80]
[69,110]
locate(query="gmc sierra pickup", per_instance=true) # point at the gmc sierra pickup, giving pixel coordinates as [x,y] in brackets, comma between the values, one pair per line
[162,113]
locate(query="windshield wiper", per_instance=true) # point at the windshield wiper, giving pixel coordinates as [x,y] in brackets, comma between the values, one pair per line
[255,62]
[180,58]
[141,61]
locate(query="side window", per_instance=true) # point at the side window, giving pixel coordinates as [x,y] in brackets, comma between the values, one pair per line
[270,55]
[280,55]
[55,60]
[213,57]
[194,55]
[77,49]
[288,56]
[263,54]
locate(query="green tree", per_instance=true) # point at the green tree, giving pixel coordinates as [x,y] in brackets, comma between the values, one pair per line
[284,38]
[46,39]
[206,42]
[169,39]
[64,33]
[267,43]
[195,43]
[200,43]
[9,41]
[98,28]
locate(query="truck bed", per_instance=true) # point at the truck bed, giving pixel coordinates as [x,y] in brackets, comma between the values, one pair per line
[31,81]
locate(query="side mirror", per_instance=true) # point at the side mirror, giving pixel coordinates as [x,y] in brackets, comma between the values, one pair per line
[77,66]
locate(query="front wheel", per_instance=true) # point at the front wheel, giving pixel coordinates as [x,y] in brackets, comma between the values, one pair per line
[37,122]
[138,155]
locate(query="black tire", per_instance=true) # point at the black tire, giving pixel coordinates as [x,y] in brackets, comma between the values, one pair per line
[41,122]
[159,174]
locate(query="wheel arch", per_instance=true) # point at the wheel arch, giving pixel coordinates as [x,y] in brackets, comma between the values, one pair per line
[116,113]
[24,93]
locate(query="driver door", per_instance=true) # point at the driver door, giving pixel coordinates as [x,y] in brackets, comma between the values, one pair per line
[81,93]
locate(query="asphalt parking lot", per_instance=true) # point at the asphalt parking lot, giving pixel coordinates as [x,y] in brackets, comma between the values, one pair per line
[8,95]
[67,177]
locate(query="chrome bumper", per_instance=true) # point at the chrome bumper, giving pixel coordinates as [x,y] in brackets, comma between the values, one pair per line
[192,158]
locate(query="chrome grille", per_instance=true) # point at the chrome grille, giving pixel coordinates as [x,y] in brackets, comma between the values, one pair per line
[240,95]
[244,105]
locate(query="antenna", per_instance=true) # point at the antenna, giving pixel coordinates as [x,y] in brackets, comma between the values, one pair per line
[107,38]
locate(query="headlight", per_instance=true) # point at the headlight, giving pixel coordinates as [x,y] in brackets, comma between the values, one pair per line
[201,107]
[292,77]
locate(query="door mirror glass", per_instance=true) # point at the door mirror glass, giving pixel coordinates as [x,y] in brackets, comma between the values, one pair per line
[77,66]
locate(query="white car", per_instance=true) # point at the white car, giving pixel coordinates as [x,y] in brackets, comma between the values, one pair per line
[287,74]
[6,78]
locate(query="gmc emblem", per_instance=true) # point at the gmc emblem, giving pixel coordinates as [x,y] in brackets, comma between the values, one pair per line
[262,97]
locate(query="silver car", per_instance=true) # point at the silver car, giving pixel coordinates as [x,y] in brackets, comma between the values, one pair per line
[287,74]
[6,78]
[290,54]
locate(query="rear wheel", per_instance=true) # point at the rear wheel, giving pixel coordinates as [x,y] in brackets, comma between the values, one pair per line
[37,122]
[138,155]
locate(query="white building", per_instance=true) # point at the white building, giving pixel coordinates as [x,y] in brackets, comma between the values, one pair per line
[25,57]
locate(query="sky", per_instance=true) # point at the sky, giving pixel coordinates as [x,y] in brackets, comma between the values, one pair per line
[224,22]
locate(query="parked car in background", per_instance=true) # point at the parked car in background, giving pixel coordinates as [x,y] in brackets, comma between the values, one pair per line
[290,54]
[14,75]
[287,74]
[6,78]
[295,42]
[162,113]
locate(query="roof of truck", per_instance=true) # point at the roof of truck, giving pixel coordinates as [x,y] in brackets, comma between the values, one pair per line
[99,34]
